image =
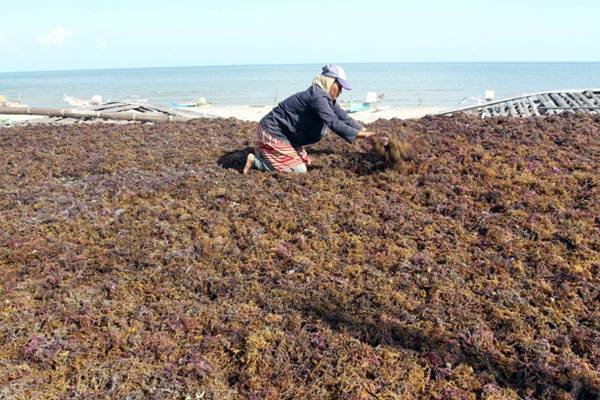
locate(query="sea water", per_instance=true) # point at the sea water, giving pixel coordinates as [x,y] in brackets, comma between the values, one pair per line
[403,84]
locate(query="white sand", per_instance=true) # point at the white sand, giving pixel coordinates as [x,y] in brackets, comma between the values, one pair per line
[248,113]
[13,119]
[396,112]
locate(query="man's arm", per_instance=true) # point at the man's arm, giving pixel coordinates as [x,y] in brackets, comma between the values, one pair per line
[346,118]
[323,107]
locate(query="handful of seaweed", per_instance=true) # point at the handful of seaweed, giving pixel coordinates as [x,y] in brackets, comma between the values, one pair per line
[398,151]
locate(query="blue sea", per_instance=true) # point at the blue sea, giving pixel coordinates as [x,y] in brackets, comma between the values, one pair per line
[403,84]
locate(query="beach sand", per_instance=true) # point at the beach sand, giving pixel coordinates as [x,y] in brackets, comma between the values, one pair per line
[17,119]
[251,113]
[255,113]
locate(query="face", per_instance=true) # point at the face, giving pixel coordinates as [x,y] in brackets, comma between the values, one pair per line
[335,91]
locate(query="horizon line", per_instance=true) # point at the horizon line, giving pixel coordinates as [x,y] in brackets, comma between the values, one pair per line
[295,64]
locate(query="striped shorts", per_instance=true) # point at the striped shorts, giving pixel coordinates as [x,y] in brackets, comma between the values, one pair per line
[282,156]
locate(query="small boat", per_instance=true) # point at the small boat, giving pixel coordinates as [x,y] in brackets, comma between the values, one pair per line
[4,102]
[198,103]
[372,100]
[95,101]
[358,106]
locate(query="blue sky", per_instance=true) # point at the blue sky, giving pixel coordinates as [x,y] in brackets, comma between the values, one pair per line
[61,34]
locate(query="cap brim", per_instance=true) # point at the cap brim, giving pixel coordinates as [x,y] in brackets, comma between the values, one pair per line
[344,83]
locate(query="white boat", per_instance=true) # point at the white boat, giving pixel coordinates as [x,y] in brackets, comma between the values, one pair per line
[95,101]
[372,103]
[197,103]
[4,102]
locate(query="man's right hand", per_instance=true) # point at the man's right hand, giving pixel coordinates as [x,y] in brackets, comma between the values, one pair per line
[374,137]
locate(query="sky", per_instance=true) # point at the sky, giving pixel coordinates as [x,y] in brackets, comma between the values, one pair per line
[61,35]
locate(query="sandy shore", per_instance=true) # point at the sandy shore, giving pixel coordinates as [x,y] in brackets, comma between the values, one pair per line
[249,113]
[16,119]
[255,113]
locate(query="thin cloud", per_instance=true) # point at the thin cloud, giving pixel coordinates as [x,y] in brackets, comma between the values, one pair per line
[56,37]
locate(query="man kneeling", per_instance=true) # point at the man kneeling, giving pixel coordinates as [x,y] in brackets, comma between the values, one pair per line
[304,119]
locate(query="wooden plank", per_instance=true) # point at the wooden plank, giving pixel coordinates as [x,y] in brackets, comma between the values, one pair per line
[548,104]
[561,103]
[162,109]
[587,109]
[141,108]
[576,100]
[148,108]
[522,109]
[573,101]
[109,105]
[511,109]
[533,107]
[559,100]
[592,97]
[584,100]
[588,93]
[519,108]
[117,108]
[502,110]
[567,99]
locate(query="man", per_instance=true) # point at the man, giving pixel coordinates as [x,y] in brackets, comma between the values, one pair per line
[304,119]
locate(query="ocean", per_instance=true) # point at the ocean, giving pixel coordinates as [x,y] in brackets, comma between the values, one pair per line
[403,84]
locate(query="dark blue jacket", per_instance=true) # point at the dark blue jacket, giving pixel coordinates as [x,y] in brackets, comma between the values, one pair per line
[302,118]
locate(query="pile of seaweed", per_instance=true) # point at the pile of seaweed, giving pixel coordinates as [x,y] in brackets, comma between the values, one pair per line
[137,262]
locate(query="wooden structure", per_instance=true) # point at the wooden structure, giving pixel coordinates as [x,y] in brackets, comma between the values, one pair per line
[538,104]
[117,111]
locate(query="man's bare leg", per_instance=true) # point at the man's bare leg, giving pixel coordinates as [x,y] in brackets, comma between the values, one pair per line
[249,163]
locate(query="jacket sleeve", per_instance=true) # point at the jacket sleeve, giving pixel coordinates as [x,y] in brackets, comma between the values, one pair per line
[323,107]
[346,118]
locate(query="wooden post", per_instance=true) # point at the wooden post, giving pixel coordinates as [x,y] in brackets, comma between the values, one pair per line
[512,110]
[534,107]
[522,109]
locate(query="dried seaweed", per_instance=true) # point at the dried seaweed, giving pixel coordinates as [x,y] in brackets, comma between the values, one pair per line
[461,262]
